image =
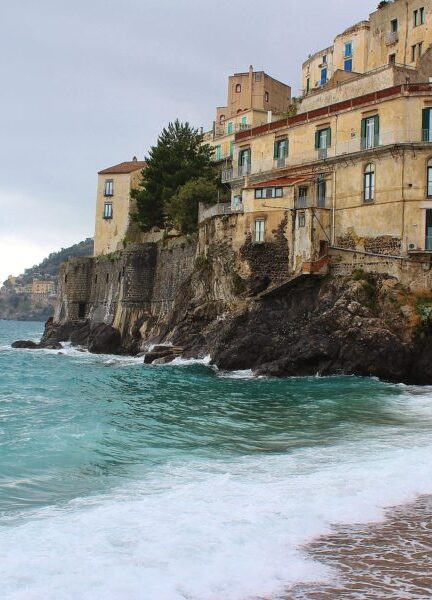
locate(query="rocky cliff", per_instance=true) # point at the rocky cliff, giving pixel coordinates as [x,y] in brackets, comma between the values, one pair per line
[218,301]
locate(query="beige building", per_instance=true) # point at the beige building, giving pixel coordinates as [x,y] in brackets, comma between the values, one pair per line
[253,98]
[114,204]
[398,33]
[43,287]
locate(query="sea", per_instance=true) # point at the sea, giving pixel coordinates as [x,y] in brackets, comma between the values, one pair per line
[125,481]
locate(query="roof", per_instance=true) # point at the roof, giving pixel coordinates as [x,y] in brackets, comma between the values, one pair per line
[124,167]
[279,182]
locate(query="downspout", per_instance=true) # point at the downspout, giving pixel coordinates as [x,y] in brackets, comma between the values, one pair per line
[403,202]
[333,217]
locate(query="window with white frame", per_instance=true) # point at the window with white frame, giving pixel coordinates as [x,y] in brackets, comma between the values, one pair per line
[108,210]
[109,187]
[369,183]
[429,178]
[259,231]
[270,192]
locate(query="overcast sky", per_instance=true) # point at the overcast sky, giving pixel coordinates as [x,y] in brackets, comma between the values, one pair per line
[90,83]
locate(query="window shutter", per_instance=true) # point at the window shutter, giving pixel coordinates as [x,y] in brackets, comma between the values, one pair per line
[363,134]
[329,140]
[425,124]
[275,153]
[317,139]
[376,131]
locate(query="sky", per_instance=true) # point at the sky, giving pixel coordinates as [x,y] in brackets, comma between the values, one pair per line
[87,84]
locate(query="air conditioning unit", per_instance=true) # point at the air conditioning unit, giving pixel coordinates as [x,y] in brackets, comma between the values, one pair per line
[412,247]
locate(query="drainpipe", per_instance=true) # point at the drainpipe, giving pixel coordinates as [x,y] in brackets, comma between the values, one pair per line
[406,34]
[333,224]
[403,202]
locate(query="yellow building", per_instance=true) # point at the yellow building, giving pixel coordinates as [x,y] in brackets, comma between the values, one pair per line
[114,204]
[354,177]
[253,98]
[398,33]
[43,287]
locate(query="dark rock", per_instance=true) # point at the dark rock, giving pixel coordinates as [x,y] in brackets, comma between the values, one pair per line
[104,339]
[168,352]
[26,344]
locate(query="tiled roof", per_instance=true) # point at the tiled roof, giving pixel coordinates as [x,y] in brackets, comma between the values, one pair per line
[124,167]
[279,182]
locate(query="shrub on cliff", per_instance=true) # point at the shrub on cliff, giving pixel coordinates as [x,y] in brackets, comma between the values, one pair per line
[182,211]
[178,157]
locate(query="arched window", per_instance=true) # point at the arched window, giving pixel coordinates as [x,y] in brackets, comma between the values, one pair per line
[429,178]
[221,119]
[369,183]
[238,88]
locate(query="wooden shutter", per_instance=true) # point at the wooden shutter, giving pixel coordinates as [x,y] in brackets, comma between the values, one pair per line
[376,130]
[425,124]
[363,134]
[317,139]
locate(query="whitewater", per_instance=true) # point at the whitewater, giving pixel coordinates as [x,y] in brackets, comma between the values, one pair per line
[179,482]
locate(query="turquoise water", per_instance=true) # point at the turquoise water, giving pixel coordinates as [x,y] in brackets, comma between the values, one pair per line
[123,481]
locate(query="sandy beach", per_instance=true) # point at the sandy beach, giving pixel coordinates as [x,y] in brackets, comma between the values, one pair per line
[391,560]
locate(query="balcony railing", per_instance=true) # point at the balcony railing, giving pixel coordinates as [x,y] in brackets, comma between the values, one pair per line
[392,38]
[312,202]
[339,148]
[218,210]
[223,129]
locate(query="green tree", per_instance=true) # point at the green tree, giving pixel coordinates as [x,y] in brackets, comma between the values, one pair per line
[183,208]
[178,157]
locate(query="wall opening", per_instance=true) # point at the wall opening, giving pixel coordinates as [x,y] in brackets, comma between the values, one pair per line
[81,310]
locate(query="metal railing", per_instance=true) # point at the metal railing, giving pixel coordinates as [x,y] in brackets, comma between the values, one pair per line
[218,210]
[312,202]
[338,148]
[392,38]
[223,129]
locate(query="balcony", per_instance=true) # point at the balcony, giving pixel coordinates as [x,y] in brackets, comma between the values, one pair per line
[222,129]
[303,202]
[392,38]
[218,210]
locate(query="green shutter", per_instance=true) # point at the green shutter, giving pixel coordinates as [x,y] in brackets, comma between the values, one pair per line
[363,134]
[329,137]
[275,151]
[425,124]
[376,131]
[317,139]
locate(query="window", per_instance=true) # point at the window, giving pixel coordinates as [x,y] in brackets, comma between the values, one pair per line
[238,88]
[232,148]
[369,183]
[394,26]
[370,132]
[323,80]
[416,51]
[324,59]
[348,65]
[108,210]
[429,179]
[270,192]
[109,187]
[260,231]
[221,119]
[218,152]
[427,125]
[244,122]
[348,49]
[237,201]
[230,127]
[419,17]
[323,139]
[301,219]
[392,59]
[321,191]
[244,162]
[266,96]
[307,85]
[281,151]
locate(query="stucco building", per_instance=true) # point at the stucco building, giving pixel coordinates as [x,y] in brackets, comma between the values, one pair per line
[114,204]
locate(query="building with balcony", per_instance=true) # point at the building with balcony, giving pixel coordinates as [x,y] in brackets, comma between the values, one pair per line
[253,98]
[114,204]
[397,33]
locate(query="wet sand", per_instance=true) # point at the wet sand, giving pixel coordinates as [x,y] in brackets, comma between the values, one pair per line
[388,560]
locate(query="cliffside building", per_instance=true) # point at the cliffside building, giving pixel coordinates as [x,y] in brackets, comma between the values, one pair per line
[114,204]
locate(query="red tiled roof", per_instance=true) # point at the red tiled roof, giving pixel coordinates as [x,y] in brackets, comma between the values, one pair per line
[124,167]
[279,182]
